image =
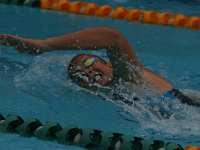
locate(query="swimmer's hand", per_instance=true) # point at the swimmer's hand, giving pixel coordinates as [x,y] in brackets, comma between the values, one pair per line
[29,46]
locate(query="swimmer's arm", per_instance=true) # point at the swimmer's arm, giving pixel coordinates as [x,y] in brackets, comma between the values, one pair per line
[119,50]
[88,39]
[25,45]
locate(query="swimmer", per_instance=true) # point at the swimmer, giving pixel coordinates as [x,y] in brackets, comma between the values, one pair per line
[90,71]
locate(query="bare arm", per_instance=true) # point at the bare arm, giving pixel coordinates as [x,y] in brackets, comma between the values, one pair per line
[25,45]
[119,51]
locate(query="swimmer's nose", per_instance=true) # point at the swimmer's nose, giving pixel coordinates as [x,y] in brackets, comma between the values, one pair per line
[90,73]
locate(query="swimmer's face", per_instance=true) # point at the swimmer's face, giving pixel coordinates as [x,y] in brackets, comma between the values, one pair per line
[87,70]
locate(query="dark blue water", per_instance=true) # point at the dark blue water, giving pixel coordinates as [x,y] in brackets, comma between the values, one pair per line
[37,86]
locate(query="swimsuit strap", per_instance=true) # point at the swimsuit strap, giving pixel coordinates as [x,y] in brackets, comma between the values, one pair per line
[183,98]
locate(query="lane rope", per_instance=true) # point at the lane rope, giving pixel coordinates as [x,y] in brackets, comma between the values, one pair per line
[86,137]
[106,11]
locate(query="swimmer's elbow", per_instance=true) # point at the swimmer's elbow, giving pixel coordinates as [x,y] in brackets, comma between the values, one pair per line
[108,31]
[114,37]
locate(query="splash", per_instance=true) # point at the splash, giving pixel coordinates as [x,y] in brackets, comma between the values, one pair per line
[48,74]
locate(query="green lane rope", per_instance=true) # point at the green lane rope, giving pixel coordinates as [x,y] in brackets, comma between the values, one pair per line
[87,138]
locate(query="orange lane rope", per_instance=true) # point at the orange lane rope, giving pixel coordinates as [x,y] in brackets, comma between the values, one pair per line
[133,15]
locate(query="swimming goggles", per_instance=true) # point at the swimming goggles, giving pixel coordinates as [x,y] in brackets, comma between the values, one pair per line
[90,61]
[80,75]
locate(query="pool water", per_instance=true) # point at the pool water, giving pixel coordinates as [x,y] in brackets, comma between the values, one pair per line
[36,86]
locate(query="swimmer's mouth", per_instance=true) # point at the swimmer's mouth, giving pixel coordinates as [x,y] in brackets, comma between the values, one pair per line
[85,78]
